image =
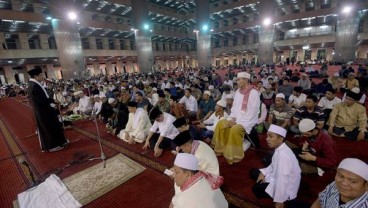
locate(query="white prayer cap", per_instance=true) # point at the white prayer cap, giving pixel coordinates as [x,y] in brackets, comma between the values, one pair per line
[243,75]
[304,74]
[78,92]
[154,89]
[211,87]
[336,74]
[130,86]
[105,83]
[229,96]
[355,89]
[186,161]
[111,100]
[102,96]
[96,96]
[277,130]
[221,103]
[355,166]
[280,95]
[207,92]
[205,79]
[306,125]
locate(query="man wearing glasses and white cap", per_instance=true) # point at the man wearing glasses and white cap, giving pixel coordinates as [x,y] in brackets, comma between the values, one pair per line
[229,133]
[349,188]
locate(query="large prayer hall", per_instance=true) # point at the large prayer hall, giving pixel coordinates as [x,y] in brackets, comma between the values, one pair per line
[183,103]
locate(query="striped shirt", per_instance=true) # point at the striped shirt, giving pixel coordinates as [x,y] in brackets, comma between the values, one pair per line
[330,198]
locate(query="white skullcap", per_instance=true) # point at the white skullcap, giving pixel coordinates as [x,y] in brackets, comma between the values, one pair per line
[78,92]
[111,100]
[355,89]
[280,95]
[205,79]
[221,103]
[96,96]
[243,75]
[306,125]
[268,86]
[277,130]
[207,92]
[211,87]
[102,96]
[304,74]
[355,166]
[154,89]
[186,161]
[229,96]
[105,83]
[336,74]
[130,86]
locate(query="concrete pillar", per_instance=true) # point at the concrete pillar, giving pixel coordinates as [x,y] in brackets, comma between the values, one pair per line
[23,39]
[119,66]
[117,44]
[2,41]
[44,41]
[105,43]
[51,71]
[92,43]
[109,68]
[266,33]
[37,8]
[9,74]
[346,36]
[127,44]
[96,68]
[203,34]
[143,41]
[15,5]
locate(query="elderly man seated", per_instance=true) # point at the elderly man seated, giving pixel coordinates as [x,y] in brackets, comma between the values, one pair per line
[85,104]
[280,113]
[138,125]
[349,188]
[349,119]
[197,189]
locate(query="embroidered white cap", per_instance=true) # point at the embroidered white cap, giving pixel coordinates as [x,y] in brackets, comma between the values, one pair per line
[207,92]
[102,96]
[211,87]
[306,125]
[277,130]
[243,75]
[355,166]
[336,74]
[186,161]
[154,89]
[280,95]
[96,96]
[221,103]
[229,96]
[111,100]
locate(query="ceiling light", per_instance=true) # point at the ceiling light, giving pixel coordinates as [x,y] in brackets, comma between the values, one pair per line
[346,9]
[72,15]
[266,21]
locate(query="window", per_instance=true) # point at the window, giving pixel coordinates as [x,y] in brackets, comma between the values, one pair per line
[111,44]
[52,42]
[235,41]
[34,42]
[85,43]
[132,45]
[255,38]
[226,42]
[11,43]
[245,39]
[122,44]
[163,47]
[217,43]
[99,44]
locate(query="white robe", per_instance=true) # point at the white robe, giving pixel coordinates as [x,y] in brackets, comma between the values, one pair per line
[200,195]
[138,126]
[283,175]
[85,105]
[213,120]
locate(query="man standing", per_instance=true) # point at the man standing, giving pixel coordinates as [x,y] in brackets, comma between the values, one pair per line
[280,180]
[229,134]
[349,188]
[49,128]
[197,189]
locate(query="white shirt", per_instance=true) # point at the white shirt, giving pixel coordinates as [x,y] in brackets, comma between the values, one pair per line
[200,195]
[328,104]
[166,127]
[213,120]
[223,97]
[190,103]
[229,82]
[97,107]
[283,175]
[207,159]
[154,99]
[263,116]
[85,104]
[249,118]
[138,122]
[299,101]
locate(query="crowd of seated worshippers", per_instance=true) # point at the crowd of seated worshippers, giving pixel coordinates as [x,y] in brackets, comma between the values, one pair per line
[154,108]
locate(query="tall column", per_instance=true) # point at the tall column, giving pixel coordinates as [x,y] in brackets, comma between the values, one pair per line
[266,32]
[143,41]
[92,43]
[23,39]
[346,36]
[2,41]
[204,33]
[9,74]
[109,68]
[96,68]
[44,41]
[68,40]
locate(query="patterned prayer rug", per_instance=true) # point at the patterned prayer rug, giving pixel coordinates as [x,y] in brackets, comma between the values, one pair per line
[96,181]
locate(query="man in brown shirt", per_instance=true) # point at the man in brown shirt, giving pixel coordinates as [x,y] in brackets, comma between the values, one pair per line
[349,119]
